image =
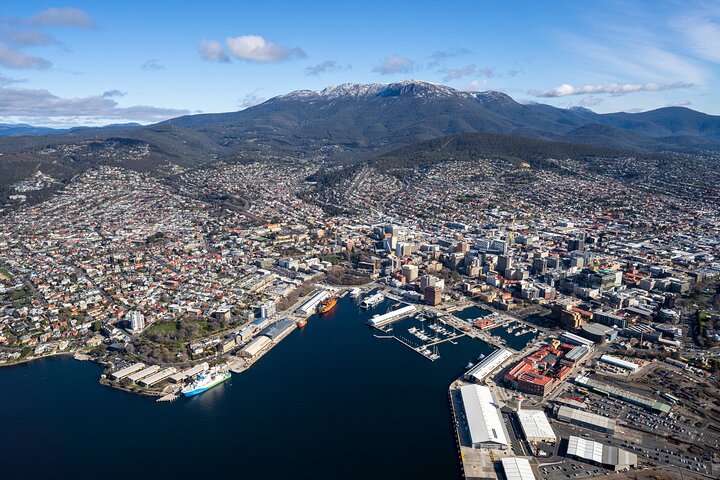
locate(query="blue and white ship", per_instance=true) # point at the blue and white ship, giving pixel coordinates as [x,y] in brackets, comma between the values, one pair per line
[205,381]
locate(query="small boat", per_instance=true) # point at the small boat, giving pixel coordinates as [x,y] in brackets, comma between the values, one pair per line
[327,304]
[302,322]
[482,355]
[355,293]
[469,365]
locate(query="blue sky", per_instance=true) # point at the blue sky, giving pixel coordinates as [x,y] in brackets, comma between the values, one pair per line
[93,63]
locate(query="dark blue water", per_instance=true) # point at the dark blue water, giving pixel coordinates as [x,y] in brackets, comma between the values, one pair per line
[471,313]
[331,401]
[515,342]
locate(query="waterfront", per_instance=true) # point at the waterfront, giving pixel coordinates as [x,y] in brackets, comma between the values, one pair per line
[329,401]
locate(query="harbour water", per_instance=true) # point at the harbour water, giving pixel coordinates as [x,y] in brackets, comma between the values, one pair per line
[330,401]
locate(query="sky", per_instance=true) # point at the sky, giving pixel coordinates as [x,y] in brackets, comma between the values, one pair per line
[95,63]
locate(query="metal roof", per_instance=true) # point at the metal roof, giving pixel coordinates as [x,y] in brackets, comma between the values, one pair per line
[485,367]
[599,453]
[535,425]
[573,415]
[585,449]
[483,415]
[517,468]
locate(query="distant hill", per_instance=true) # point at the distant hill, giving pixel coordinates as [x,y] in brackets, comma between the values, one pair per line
[538,154]
[351,123]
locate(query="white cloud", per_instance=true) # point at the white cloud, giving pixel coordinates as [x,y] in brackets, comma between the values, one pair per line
[114,93]
[212,51]
[394,64]
[703,36]
[682,103]
[41,105]
[325,67]
[609,88]
[455,73]
[26,37]
[440,56]
[254,48]
[152,65]
[251,99]
[12,58]
[62,17]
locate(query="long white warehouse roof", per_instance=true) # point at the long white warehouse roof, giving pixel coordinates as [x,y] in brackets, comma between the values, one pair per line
[143,373]
[314,301]
[157,377]
[483,415]
[379,320]
[189,372]
[619,362]
[517,468]
[255,347]
[124,372]
[479,372]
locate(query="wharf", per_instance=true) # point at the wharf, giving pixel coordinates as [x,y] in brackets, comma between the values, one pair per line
[238,365]
[477,463]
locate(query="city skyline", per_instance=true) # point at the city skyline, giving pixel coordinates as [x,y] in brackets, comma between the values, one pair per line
[92,64]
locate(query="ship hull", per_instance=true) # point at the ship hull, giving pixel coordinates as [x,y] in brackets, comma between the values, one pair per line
[329,306]
[198,391]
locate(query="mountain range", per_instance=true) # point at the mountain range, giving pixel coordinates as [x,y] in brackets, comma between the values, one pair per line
[348,123]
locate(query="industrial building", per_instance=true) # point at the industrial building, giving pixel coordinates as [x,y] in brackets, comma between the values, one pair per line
[630,397]
[575,355]
[278,328]
[488,365]
[392,316]
[190,372]
[484,420]
[619,362]
[309,307]
[145,372]
[585,419]
[573,339]
[605,456]
[124,372]
[157,377]
[253,348]
[536,426]
[517,468]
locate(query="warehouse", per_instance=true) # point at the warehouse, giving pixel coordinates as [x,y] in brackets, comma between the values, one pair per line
[609,457]
[393,316]
[587,420]
[277,329]
[124,372]
[619,362]
[536,426]
[190,372]
[157,377]
[143,373]
[517,468]
[575,355]
[253,348]
[308,308]
[484,420]
[573,339]
[488,365]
